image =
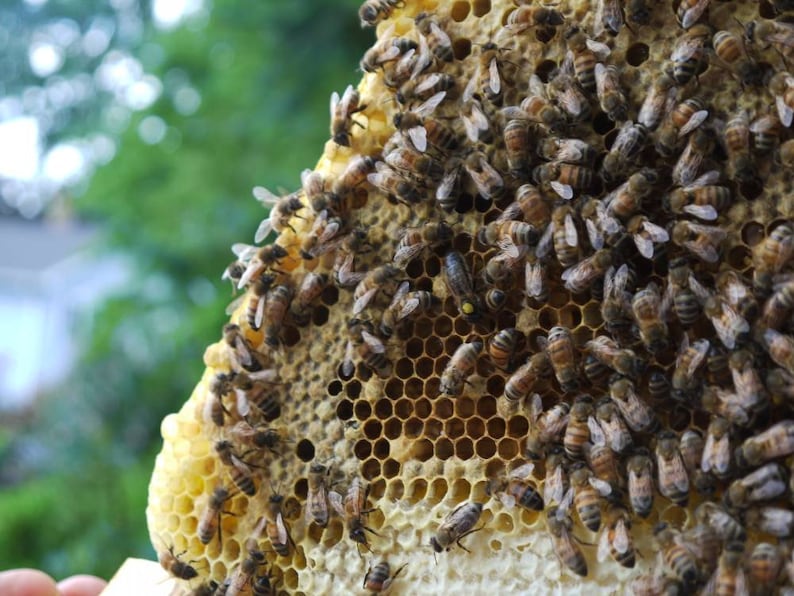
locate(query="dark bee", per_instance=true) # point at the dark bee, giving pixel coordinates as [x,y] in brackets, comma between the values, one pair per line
[379,578]
[459,282]
[373,12]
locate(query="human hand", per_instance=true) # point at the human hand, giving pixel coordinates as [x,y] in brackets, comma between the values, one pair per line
[30,582]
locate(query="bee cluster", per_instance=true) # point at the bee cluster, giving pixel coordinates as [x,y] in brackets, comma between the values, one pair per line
[539,289]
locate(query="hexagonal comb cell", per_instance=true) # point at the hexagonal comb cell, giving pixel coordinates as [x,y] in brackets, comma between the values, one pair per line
[605,182]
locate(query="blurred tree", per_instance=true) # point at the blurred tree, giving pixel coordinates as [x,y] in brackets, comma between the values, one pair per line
[244,102]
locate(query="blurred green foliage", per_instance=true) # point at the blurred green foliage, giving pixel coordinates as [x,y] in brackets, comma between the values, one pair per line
[265,71]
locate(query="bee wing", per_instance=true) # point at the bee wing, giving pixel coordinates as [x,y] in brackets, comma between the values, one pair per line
[702,349]
[424,57]
[704,212]
[244,252]
[533,273]
[644,245]
[706,252]
[571,235]
[337,502]
[694,121]
[536,86]
[602,487]
[347,362]
[263,231]
[523,472]
[373,342]
[234,304]
[410,306]
[472,130]
[334,103]
[594,234]
[686,48]
[260,312]
[699,289]
[507,500]
[597,435]
[241,401]
[693,13]
[428,83]
[441,36]
[447,185]
[621,540]
[545,242]
[565,504]
[655,232]
[418,136]
[510,248]
[573,272]
[264,196]
[267,375]
[601,50]
[603,546]
[679,473]
[494,81]
[513,113]
[535,407]
[402,290]
[554,487]
[785,113]
[430,105]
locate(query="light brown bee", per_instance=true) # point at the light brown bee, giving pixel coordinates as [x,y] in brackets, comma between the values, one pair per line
[581,276]
[458,524]
[731,327]
[729,577]
[502,347]
[645,234]
[611,424]
[373,282]
[373,12]
[459,283]
[502,266]
[737,145]
[393,185]
[537,107]
[565,237]
[353,508]
[275,527]
[476,123]
[560,350]
[702,199]
[356,172]
[765,131]
[779,306]
[312,286]
[717,449]
[676,556]
[691,446]
[244,573]
[563,178]
[258,437]
[777,33]
[733,289]
[560,527]
[672,479]
[387,49]
[776,441]
[517,147]
[256,390]
[637,414]
[520,383]
[573,151]
[646,307]
[610,97]
[282,209]
[175,566]
[702,241]
[699,146]
[276,308]
[679,293]
[657,103]
[750,391]
[241,472]
[370,349]
[639,468]
[723,523]
[317,195]
[682,119]
[459,367]
[530,206]
[325,229]
[517,488]
[424,86]
[403,305]
[765,483]
[209,522]
[764,567]
[438,40]
[241,353]
[342,111]
[584,57]
[413,241]
[414,164]
[258,260]
[625,149]
[688,361]
[317,495]
[255,311]
[526,16]
[729,48]
[772,254]
[555,485]
[587,493]
[486,178]
[486,79]
[689,53]
[777,521]
[547,427]
[626,199]
[690,11]
[507,235]
[380,578]
[577,432]
[615,539]
[600,457]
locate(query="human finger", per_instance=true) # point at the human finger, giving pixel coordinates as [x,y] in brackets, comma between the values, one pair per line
[27,582]
[82,585]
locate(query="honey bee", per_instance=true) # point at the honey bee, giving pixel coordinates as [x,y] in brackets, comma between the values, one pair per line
[730,49]
[725,403]
[779,306]
[317,495]
[563,178]
[611,424]
[275,526]
[729,577]
[600,457]
[777,521]
[281,210]
[245,572]
[403,305]
[672,479]
[577,432]
[459,367]
[772,254]
[424,86]
[639,468]
[258,260]
[438,40]
[517,147]
[258,437]
[572,151]
[689,53]
[610,97]
[241,353]
[688,361]
[312,286]
[456,526]
[702,241]
[256,303]
[379,578]
[602,228]
[521,382]
[781,85]
[530,206]
[548,427]
[415,240]
[645,233]
[209,588]
[476,123]
[517,489]
[584,54]
[353,508]
[555,485]
[682,119]
[507,235]
[565,92]
[587,493]
[240,471]
[276,307]
[658,102]
[459,282]
[373,282]
[766,131]
[581,276]
[627,146]
[638,12]
[560,350]
[175,566]
[678,293]
[209,522]
[560,527]
[534,276]
[747,382]
[737,145]
[325,230]
[537,107]
[486,77]
[730,326]
[214,410]
[676,556]
[689,11]
[626,199]
[624,361]
[615,539]
[765,483]
[526,16]
[691,447]
[387,49]
[698,148]
[764,567]
[495,299]
[393,185]
[355,173]
[608,17]
[727,527]
[777,33]
[717,449]
[416,165]
[486,178]
[638,415]
[702,198]
[342,111]
[645,307]
[501,267]
[776,441]
[369,348]
[373,12]
[415,124]
[564,236]
[502,347]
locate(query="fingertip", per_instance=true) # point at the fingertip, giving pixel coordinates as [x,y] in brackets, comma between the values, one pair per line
[82,585]
[27,582]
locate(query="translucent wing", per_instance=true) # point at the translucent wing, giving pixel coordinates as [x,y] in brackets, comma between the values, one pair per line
[564,190]
[621,541]
[603,546]
[418,136]
[337,502]
[494,82]
[704,212]
[694,121]
[571,235]
[334,103]
[602,486]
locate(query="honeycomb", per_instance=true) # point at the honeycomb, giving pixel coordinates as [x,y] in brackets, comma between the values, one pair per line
[578,256]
